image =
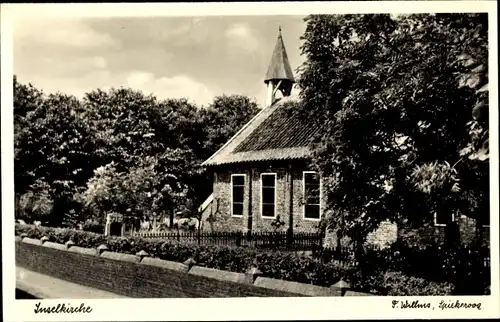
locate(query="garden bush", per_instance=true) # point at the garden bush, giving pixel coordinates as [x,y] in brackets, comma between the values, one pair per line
[93,226]
[460,265]
[398,284]
[274,264]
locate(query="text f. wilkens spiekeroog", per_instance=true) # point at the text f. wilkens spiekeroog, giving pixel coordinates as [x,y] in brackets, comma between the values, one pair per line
[443,305]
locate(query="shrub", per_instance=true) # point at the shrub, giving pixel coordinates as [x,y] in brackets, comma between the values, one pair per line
[36,204]
[93,226]
[398,284]
[274,264]
[462,266]
[395,283]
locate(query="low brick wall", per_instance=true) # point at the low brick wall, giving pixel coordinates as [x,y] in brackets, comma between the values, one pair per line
[145,277]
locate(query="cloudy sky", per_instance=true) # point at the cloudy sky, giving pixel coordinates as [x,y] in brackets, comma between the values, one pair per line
[193,57]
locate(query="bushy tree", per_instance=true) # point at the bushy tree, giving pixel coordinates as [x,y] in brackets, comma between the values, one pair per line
[35,204]
[395,97]
[52,148]
[223,118]
[140,192]
[116,151]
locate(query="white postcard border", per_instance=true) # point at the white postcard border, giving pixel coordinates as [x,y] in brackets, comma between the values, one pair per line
[237,308]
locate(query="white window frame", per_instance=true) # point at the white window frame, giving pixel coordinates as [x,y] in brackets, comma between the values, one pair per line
[275,194]
[304,197]
[244,184]
[442,225]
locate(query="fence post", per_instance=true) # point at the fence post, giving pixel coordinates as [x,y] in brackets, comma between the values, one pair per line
[238,239]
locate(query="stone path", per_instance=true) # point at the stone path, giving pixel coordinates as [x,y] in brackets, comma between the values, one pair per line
[47,287]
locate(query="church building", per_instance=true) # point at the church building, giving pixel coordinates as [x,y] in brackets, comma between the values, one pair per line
[260,174]
[261,180]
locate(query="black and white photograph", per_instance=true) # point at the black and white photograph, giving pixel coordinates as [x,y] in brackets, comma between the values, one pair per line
[325,155]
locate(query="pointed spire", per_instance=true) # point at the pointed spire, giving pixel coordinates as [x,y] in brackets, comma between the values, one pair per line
[279,68]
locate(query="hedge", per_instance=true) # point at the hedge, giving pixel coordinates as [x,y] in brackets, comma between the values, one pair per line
[274,264]
[460,265]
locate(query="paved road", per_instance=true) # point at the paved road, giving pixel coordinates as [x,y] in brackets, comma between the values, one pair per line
[36,285]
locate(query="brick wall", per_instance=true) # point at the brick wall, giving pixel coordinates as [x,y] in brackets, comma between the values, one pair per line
[222,200]
[145,277]
[221,206]
[384,235]
[468,232]
[387,233]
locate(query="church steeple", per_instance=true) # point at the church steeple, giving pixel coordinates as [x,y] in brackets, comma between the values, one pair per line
[279,74]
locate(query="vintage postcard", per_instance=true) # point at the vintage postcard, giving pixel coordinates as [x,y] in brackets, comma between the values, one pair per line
[250,161]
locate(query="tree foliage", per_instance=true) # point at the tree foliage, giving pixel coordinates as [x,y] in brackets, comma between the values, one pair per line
[395,96]
[116,151]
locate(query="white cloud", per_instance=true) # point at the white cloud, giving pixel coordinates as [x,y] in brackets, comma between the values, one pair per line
[60,31]
[240,36]
[238,30]
[77,86]
[99,62]
[178,86]
[84,65]
[139,79]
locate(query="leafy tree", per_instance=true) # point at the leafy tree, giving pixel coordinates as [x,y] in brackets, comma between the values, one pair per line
[26,98]
[395,95]
[52,148]
[35,204]
[147,142]
[116,151]
[223,118]
[120,120]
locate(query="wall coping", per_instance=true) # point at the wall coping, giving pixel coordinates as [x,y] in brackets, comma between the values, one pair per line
[217,274]
[174,266]
[301,289]
[83,250]
[294,287]
[32,241]
[120,257]
[54,245]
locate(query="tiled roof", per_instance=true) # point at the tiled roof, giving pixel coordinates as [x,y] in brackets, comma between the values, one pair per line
[274,134]
[282,129]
